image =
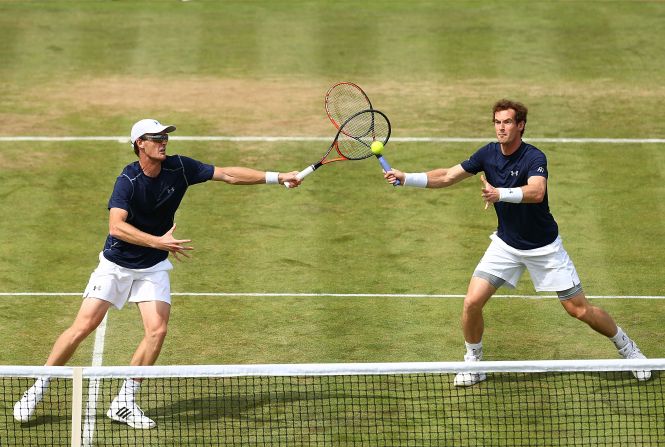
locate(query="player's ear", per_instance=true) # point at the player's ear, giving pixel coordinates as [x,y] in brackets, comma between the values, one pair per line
[138,146]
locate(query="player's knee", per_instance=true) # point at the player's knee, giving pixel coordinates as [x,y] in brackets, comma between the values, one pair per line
[579,312]
[473,304]
[156,334]
[80,330]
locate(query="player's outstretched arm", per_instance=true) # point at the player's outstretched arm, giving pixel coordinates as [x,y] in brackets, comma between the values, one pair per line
[247,176]
[442,178]
[437,178]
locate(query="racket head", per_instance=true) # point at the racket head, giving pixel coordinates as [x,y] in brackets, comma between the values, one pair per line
[343,100]
[355,137]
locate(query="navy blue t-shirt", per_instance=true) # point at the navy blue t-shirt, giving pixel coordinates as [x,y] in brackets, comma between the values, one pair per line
[524,226]
[151,204]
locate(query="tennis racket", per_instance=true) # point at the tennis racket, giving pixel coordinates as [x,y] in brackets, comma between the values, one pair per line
[353,140]
[342,101]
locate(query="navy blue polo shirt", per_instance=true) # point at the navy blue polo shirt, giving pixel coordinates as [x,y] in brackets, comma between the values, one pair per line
[151,204]
[524,226]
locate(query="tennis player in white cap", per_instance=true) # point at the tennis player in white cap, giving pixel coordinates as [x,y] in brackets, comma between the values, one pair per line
[133,266]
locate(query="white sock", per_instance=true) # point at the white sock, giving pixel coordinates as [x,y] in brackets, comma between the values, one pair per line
[128,390]
[620,340]
[474,349]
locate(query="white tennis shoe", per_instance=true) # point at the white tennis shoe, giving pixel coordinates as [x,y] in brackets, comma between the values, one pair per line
[129,413]
[469,378]
[631,351]
[25,408]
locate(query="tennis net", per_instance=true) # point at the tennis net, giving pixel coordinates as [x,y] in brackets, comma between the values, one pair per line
[522,403]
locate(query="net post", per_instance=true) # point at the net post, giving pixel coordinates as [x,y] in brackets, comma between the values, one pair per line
[77,404]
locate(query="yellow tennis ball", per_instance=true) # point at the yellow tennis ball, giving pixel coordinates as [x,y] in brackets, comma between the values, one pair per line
[376,147]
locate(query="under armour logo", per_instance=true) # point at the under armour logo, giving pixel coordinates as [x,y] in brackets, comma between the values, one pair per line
[170,190]
[540,169]
[514,173]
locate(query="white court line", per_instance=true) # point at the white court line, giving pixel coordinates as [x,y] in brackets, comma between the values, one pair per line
[125,140]
[344,295]
[93,385]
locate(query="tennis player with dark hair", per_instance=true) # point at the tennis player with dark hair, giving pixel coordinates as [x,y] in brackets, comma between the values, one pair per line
[527,236]
[133,266]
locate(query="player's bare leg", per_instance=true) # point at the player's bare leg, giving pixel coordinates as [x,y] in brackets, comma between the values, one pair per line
[91,313]
[600,321]
[155,315]
[89,317]
[477,295]
[473,325]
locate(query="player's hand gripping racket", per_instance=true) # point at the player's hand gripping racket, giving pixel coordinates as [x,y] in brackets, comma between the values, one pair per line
[353,140]
[342,101]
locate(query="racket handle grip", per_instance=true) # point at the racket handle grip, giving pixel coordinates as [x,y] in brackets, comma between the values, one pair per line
[386,167]
[301,175]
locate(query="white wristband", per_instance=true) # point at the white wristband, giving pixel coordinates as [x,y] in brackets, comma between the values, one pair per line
[272,178]
[512,195]
[418,179]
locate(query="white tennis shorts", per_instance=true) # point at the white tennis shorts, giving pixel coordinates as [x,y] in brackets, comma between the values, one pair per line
[118,285]
[550,267]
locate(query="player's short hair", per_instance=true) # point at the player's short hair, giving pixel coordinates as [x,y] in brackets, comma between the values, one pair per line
[519,108]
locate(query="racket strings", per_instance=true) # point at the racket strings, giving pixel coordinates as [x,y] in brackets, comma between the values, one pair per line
[343,100]
[358,133]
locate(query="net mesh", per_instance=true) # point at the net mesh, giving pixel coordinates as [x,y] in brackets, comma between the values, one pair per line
[376,407]
[51,424]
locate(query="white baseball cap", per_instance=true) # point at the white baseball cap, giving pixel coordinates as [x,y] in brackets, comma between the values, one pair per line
[148,125]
